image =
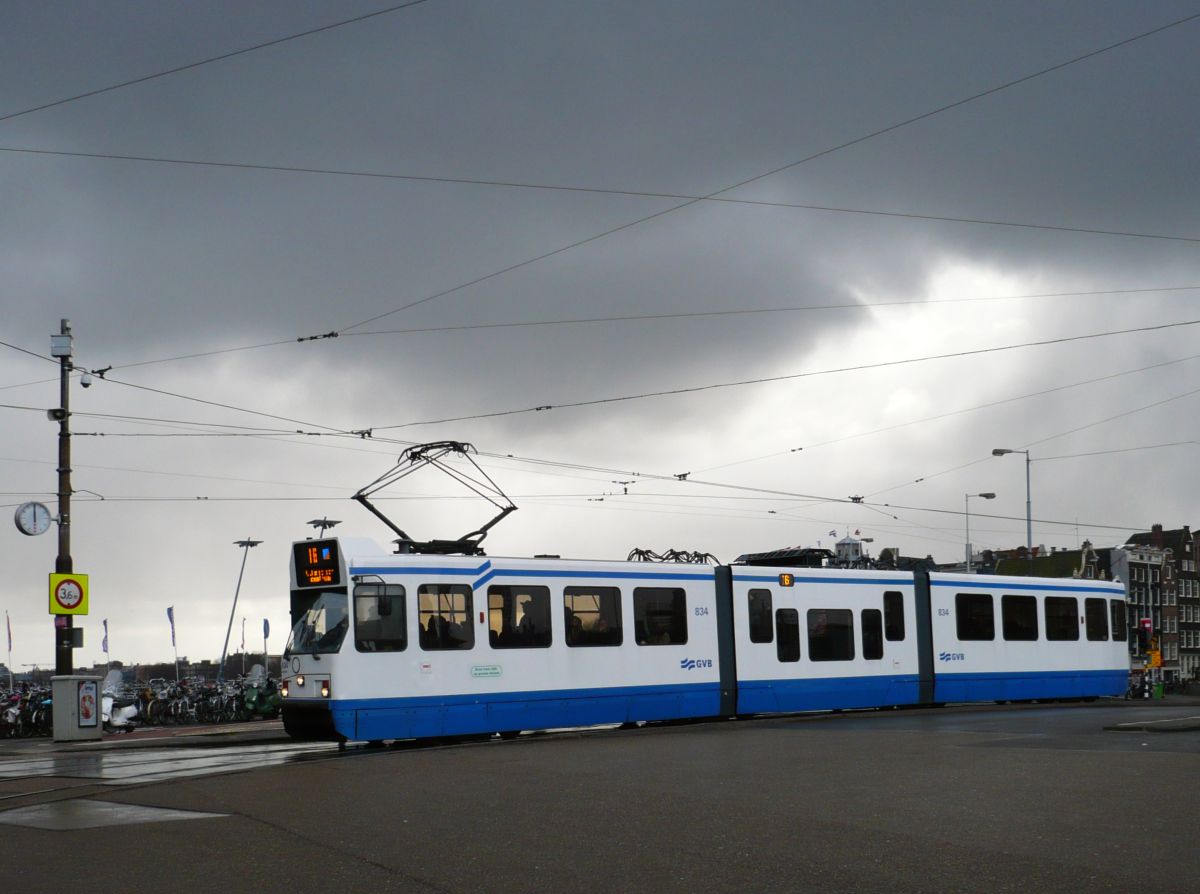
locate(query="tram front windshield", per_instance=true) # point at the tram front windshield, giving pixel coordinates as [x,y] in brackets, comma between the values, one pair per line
[322,628]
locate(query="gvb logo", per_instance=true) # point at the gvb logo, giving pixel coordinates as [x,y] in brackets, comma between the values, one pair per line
[951,656]
[693,663]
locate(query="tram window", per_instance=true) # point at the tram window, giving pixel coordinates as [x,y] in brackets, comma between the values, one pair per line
[1096,614]
[1062,618]
[975,617]
[660,616]
[592,616]
[1020,617]
[519,617]
[788,622]
[893,615]
[380,620]
[444,616]
[759,609]
[1119,629]
[830,634]
[872,633]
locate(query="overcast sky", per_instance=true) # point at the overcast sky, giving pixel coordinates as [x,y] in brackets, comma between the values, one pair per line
[156,260]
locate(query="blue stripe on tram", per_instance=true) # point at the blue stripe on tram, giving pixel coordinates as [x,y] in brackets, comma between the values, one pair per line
[455,715]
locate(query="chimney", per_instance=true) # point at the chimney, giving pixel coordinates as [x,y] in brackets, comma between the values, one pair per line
[1156,536]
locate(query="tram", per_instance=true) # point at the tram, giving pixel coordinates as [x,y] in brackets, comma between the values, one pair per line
[391,646]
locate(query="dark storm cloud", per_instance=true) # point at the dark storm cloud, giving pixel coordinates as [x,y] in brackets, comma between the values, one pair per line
[152,260]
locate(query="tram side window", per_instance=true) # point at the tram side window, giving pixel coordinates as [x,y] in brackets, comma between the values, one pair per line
[380,621]
[1095,613]
[759,610]
[592,616]
[1020,617]
[1119,629]
[1062,618]
[830,634]
[519,617]
[788,646]
[975,617]
[872,634]
[893,615]
[660,616]
[444,615]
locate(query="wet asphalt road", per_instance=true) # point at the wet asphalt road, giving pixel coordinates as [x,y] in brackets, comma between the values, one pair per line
[966,799]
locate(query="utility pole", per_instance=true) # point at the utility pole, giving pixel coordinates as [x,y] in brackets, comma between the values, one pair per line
[60,347]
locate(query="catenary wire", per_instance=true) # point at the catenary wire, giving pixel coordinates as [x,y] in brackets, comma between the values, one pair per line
[667,316]
[761,203]
[1062,434]
[946,415]
[788,377]
[821,154]
[191,65]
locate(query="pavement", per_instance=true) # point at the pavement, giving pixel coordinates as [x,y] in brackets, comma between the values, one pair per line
[995,798]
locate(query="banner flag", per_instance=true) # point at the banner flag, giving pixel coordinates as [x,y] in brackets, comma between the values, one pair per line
[266,628]
[171,618]
[104,644]
[8,623]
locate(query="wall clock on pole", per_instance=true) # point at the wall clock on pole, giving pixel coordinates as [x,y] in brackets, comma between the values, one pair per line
[33,518]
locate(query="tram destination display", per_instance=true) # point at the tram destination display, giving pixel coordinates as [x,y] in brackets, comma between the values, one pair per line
[318,563]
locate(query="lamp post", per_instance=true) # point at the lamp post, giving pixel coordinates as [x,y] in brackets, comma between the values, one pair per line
[1001,451]
[967,516]
[245,545]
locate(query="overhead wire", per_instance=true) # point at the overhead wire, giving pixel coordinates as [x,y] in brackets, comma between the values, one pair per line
[221,57]
[809,158]
[1062,434]
[761,203]
[670,392]
[869,305]
[947,415]
[1044,459]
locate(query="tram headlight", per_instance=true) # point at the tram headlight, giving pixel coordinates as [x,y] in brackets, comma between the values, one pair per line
[300,680]
[324,684]
[283,688]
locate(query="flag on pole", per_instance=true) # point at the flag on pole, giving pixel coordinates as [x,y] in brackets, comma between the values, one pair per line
[266,628]
[8,623]
[171,618]
[104,643]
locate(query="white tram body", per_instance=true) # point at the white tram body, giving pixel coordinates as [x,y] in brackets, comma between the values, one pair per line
[1018,638]
[845,660]
[388,646]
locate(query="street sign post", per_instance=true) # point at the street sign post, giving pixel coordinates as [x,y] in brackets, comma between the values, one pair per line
[68,594]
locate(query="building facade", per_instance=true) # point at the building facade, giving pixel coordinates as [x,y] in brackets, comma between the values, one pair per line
[1181,615]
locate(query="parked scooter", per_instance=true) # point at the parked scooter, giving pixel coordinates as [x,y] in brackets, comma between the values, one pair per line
[117,714]
[260,695]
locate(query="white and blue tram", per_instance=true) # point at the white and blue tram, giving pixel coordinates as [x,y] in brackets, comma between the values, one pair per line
[388,646]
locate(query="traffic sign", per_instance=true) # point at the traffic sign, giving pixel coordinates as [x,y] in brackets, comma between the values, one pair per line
[68,594]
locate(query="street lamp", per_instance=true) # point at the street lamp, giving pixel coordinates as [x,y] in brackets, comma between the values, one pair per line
[1001,451]
[245,545]
[967,516]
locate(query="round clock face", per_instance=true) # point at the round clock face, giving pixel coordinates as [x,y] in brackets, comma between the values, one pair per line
[33,518]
